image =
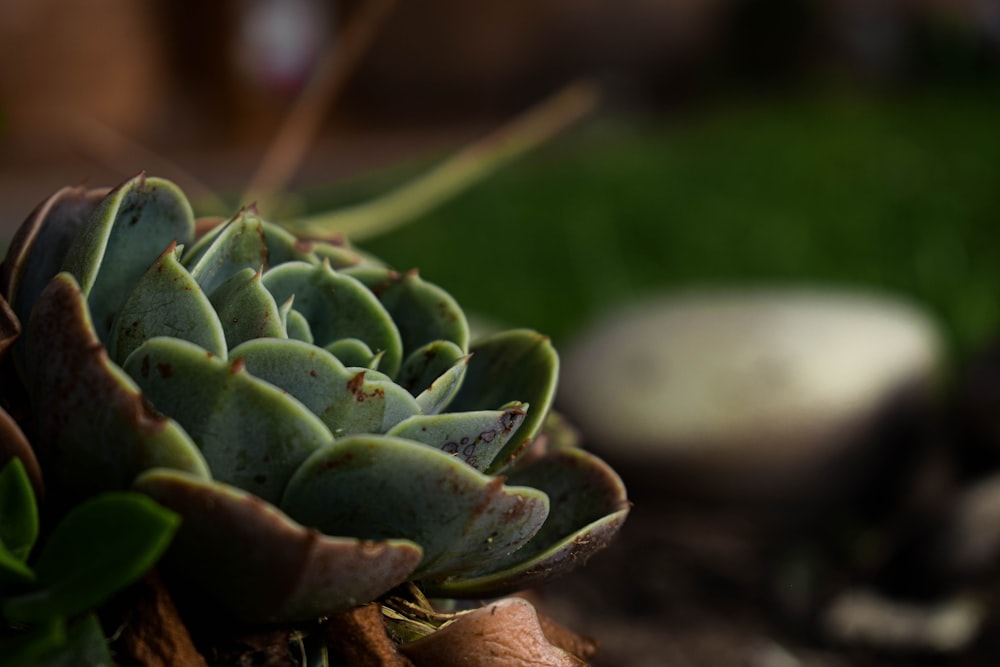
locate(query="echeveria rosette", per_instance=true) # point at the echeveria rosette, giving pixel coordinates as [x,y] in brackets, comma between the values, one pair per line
[321,422]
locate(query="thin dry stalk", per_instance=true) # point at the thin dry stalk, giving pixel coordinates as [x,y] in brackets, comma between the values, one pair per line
[304,121]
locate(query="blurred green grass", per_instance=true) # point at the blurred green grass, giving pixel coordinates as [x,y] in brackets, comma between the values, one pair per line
[899,194]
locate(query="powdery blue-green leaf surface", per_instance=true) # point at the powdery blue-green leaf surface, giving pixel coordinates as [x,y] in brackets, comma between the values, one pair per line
[166,302]
[89,416]
[295,323]
[39,247]
[248,556]
[283,246]
[345,399]
[440,393]
[246,309]
[252,434]
[426,364]
[238,245]
[380,487]
[99,547]
[423,311]
[474,437]
[341,256]
[589,505]
[337,306]
[130,228]
[354,352]
[517,365]
[303,375]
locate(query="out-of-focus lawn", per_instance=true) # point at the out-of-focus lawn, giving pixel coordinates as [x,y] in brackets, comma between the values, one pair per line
[901,194]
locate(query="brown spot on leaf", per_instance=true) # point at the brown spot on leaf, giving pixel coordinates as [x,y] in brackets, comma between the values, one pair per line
[236,366]
[165,369]
[356,386]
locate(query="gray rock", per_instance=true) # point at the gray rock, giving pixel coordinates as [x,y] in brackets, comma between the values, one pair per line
[746,392]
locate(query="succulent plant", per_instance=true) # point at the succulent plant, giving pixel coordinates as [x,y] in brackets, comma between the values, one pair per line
[321,423]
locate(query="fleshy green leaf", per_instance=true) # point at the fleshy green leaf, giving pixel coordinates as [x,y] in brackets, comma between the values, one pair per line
[283,246]
[166,302]
[379,487]
[440,393]
[517,365]
[18,511]
[194,252]
[14,445]
[589,505]
[29,649]
[340,257]
[295,323]
[252,434]
[337,306]
[94,431]
[422,311]
[353,352]
[426,364]
[474,437]
[345,399]
[126,233]
[261,566]
[238,245]
[99,547]
[39,246]
[85,645]
[246,309]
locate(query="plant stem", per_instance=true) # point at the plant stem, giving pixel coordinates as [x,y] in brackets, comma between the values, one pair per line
[306,116]
[457,173]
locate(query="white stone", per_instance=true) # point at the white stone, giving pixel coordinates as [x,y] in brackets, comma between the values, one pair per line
[745,384]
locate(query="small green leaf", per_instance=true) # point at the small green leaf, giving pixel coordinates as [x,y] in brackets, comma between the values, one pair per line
[166,302]
[516,365]
[295,323]
[18,511]
[238,245]
[348,400]
[85,645]
[38,249]
[352,352]
[426,364]
[380,487]
[340,257]
[28,649]
[423,311]
[194,251]
[475,437]
[13,571]
[283,246]
[129,230]
[440,393]
[252,434]
[246,309]
[337,306]
[589,506]
[101,546]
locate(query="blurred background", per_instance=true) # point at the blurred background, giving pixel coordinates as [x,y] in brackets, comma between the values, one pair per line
[833,155]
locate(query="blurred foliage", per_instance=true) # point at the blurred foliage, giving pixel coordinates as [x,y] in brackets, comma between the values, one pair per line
[900,194]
